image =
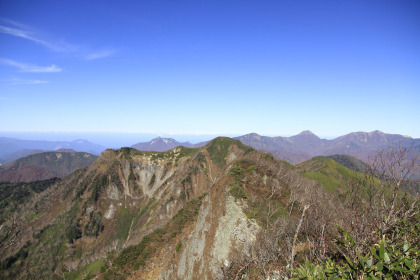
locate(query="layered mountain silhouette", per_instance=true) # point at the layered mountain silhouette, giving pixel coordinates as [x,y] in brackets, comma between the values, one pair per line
[10,146]
[45,165]
[301,147]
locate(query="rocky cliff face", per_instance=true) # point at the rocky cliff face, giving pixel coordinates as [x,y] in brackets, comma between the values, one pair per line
[181,214]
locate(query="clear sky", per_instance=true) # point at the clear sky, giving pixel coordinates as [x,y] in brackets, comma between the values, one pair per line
[210,67]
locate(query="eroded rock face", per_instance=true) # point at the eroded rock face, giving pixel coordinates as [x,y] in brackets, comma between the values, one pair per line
[234,230]
[126,196]
[221,229]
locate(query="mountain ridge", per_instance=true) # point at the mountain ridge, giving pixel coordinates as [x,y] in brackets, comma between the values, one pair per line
[160,144]
[306,145]
[187,213]
[10,145]
[45,165]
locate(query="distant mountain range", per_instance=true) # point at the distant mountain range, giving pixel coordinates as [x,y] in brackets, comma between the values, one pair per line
[164,144]
[42,166]
[12,148]
[18,154]
[306,145]
[294,149]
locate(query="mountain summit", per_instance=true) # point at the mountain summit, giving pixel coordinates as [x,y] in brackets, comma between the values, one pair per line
[160,144]
[306,133]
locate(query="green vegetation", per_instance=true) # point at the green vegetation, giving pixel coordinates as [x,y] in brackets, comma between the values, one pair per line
[143,213]
[270,157]
[236,188]
[87,272]
[218,149]
[94,226]
[237,173]
[188,213]
[122,226]
[168,155]
[80,186]
[13,263]
[14,194]
[112,274]
[98,185]
[243,171]
[186,152]
[178,247]
[136,255]
[131,177]
[374,235]
[48,250]
[75,177]
[260,210]
[349,162]
[394,256]
[237,191]
[35,216]
[127,152]
[327,173]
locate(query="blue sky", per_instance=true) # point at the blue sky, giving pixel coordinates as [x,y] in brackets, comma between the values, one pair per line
[210,67]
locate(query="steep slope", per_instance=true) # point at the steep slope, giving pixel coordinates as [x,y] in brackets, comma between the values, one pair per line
[45,165]
[13,195]
[122,197]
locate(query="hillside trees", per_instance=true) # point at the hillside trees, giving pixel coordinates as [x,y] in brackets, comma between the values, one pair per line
[380,236]
[366,228]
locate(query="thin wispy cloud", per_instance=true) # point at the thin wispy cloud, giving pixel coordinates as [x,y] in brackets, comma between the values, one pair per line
[14,23]
[17,81]
[30,67]
[32,36]
[17,29]
[100,54]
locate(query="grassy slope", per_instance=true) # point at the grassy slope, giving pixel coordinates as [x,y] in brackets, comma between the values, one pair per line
[349,162]
[326,172]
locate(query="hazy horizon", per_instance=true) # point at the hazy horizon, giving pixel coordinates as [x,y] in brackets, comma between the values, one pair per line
[125,139]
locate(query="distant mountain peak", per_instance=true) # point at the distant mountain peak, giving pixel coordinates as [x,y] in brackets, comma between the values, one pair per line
[253,134]
[306,133]
[376,132]
[162,140]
